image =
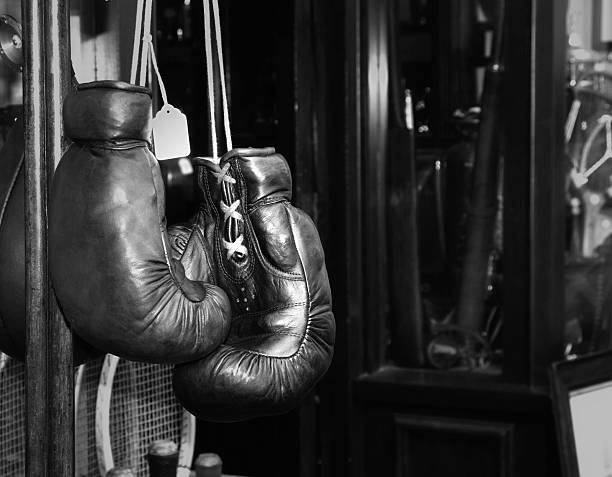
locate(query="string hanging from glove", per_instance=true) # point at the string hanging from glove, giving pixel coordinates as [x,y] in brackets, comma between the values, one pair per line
[142,42]
[142,36]
[137,34]
[170,129]
[233,239]
[211,25]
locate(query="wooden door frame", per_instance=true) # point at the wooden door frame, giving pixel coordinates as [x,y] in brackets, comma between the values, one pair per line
[49,370]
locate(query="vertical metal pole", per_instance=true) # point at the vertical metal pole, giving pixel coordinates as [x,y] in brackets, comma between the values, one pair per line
[59,340]
[49,390]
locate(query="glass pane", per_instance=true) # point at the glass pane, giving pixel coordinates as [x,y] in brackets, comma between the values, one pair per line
[588,135]
[444,49]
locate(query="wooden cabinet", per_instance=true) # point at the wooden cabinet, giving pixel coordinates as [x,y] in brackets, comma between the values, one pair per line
[418,423]
[422,421]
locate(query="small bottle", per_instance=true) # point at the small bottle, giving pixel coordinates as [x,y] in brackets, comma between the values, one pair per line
[208,465]
[120,472]
[163,458]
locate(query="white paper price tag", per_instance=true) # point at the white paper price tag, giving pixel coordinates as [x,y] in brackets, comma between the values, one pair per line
[170,133]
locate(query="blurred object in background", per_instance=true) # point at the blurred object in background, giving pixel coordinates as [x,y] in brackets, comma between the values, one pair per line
[174,21]
[181,186]
[443,51]
[11,65]
[208,465]
[588,194]
[606,24]
[11,91]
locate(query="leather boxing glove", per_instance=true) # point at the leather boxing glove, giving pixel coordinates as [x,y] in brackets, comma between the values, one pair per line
[113,271]
[268,258]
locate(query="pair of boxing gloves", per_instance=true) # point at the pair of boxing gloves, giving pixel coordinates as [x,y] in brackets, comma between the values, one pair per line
[238,299]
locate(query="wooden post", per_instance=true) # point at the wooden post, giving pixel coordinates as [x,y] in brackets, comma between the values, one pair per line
[49,389]
[60,375]
[36,266]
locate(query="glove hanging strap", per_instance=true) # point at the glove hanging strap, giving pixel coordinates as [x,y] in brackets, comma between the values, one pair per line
[226,119]
[146,45]
[142,36]
[142,41]
[232,219]
[170,129]
[137,37]
[210,26]
[148,40]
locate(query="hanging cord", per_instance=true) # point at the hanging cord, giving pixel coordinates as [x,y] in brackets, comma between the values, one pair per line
[142,35]
[211,81]
[226,120]
[137,33]
[146,44]
[211,25]
[148,40]
[233,240]
[148,52]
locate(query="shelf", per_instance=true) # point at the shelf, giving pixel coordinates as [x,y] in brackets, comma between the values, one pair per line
[459,390]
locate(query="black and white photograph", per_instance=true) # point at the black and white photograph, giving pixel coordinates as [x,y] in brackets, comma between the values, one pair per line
[306,238]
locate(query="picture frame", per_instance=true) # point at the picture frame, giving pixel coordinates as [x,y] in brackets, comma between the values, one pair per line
[582,406]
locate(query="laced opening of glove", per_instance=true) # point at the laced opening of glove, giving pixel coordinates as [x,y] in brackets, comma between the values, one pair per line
[170,130]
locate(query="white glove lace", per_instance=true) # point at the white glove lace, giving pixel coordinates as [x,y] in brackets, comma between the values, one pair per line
[231,216]
[232,240]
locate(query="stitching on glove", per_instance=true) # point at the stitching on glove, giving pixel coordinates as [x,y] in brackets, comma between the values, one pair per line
[271,268]
[307,331]
[113,144]
[267,311]
[255,206]
[264,335]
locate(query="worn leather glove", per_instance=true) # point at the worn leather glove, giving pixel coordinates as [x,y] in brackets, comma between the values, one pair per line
[110,254]
[267,256]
